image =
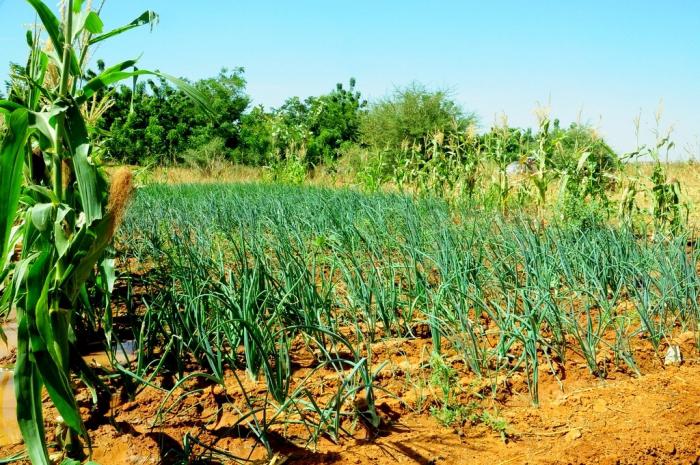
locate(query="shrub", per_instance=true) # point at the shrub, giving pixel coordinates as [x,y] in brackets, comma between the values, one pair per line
[410,116]
[210,158]
[289,171]
[373,171]
[570,142]
[580,154]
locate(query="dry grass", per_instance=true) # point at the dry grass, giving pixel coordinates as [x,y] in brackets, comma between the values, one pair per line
[184,175]
[687,173]
[232,173]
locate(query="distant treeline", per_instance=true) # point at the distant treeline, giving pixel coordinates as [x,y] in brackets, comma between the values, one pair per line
[152,122]
[415,139]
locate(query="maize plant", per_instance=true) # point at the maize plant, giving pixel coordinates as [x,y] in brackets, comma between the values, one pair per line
[58,208]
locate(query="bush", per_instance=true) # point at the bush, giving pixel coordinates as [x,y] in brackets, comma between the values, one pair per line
[210,158]
[155,123]
[569,143]
[373,171]
[581,213]
[410,116]
[290,171]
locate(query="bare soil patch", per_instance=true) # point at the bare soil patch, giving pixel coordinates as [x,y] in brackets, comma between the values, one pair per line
[652,419]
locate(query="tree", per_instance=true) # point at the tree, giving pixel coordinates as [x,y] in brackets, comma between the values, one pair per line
[256,145]
[226,92]
[335,120]
[319,126]
[155,122]
[410,116]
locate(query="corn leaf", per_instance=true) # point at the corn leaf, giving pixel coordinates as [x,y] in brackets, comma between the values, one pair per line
[50,23]
[77,5]
[147,17]
[44,336]
[44,123]
[88,179]
[86,21]
[28,380]
[103,80]
[116,74]
[7,107]
[38,75]
[93,23]
[92,245]
[28,394]
[11,164]
[53,29]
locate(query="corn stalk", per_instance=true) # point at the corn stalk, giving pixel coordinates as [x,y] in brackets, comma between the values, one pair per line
[67,215]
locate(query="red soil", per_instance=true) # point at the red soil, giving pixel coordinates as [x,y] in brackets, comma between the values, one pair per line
[654,419]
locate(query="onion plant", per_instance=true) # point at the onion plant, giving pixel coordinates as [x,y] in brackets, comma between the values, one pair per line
[243,273]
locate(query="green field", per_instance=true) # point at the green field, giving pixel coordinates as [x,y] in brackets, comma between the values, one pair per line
[186,278]
[260,266]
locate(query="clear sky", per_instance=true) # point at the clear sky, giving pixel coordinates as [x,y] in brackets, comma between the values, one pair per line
[599,61]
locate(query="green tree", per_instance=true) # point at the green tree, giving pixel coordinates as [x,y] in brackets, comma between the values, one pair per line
[256,146]
[317,127]
[156,122]
[411,116]
[228,100]
[335,120]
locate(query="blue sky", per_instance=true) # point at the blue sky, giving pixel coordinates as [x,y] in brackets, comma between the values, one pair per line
[599,61]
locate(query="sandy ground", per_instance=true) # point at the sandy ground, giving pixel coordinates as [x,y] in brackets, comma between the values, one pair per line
[624,419]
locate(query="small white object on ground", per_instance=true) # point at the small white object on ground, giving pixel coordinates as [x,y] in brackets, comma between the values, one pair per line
[673,356]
